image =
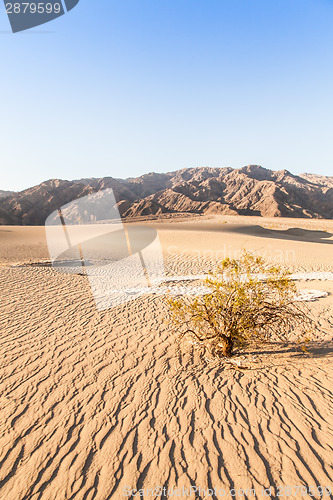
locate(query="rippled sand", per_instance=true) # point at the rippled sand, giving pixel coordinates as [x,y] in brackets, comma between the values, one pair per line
[93,402]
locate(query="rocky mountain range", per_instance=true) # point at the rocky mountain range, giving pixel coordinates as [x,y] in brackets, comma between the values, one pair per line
[251,190]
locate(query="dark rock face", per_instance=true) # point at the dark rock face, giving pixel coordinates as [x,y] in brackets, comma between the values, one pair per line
[251,190]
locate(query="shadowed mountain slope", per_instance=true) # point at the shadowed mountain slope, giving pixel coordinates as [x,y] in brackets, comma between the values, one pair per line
[251,190]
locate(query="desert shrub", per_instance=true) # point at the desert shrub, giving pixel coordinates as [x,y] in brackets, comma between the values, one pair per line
[247,302]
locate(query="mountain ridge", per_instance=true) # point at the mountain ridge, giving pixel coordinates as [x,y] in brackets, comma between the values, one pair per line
[250,190]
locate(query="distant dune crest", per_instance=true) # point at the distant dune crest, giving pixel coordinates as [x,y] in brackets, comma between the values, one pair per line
[251,190]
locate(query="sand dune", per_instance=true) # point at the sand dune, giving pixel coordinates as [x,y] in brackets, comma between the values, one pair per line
[93,403]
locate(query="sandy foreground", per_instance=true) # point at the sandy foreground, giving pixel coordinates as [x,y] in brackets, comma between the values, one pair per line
[97,403]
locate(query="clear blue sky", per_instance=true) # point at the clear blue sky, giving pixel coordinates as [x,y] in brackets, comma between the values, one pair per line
[126,87]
